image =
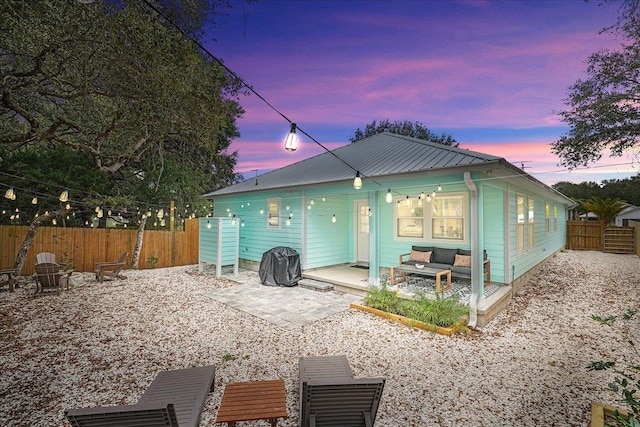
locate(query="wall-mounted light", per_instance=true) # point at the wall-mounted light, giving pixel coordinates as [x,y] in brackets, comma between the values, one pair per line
[291,143]
[64,196]
[333,218]
[389,196]
[357,181]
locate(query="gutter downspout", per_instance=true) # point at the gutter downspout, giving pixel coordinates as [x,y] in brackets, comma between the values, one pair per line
[476,253]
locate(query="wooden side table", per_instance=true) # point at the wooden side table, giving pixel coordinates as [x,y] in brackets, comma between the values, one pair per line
[10,274]
[253,400]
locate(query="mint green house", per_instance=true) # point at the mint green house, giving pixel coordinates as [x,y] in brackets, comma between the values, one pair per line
[413,192]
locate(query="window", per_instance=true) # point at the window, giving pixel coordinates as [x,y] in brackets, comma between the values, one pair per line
[520,215]
[364,219]
[547,225]
[531,222]
[273,220]
[441,218]
[447,217]
[410,218]
[555,218]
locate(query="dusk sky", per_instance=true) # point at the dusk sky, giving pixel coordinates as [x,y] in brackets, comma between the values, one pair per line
[492,74]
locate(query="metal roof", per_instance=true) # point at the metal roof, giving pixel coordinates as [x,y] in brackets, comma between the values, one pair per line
[377,156]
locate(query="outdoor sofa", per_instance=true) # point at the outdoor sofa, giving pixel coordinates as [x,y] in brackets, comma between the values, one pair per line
[456,260]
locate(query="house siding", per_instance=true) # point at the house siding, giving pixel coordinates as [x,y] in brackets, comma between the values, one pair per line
[494,230]
[544,244]
[255,235]
[328,243]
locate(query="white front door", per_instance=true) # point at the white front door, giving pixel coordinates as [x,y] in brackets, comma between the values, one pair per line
[362,231]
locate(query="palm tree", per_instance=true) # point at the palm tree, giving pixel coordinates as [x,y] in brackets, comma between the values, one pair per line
[605,209]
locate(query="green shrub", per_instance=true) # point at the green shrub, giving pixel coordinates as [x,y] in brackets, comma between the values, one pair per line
[382,298]
[445,312]
[627,380]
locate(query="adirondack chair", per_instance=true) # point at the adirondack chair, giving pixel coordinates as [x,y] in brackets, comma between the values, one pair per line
[111,269]
[174,398]
[331,397]
[45,257]
[51,277]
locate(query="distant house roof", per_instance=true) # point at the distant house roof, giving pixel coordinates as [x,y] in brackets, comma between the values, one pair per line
[377,156]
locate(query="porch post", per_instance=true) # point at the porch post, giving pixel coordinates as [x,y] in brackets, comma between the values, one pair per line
[374,262]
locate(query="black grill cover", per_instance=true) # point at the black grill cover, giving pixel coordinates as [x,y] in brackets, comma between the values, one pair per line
[280,266]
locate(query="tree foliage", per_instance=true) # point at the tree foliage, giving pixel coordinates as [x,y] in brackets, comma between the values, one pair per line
[604,109]
[407,128]
[605,209]
[627,190]
[122,91]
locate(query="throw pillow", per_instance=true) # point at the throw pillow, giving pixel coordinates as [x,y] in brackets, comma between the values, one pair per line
[420,256]
[462,261]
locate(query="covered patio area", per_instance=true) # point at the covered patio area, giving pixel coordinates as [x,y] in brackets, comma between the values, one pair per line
[354,279]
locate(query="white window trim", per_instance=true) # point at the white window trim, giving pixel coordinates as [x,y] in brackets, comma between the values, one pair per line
[269,201]
[521,224]
[427,221]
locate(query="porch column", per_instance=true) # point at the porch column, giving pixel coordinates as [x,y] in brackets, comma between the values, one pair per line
[374,261]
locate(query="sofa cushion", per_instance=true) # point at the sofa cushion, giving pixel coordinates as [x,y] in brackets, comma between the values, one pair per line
[443,256]
[462,261]
[422,248]
[420,256]
[468,252]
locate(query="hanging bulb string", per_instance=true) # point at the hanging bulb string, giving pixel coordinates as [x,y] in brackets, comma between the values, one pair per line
[251,89]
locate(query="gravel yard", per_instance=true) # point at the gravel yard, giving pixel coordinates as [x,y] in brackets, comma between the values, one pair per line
[102,344]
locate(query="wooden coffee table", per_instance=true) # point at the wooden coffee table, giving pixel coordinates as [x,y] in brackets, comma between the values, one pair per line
[426,271]
[253,400]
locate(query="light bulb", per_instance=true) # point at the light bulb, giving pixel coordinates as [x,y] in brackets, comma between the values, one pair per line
[333,218]
[357,181]
[34,201]
[389,196]
[208,224]
[64,196]
[291,143]
[408,202]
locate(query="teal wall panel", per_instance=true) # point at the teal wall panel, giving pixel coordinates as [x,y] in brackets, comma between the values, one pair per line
[494,230]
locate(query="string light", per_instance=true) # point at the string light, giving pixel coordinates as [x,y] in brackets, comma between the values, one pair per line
[208,224]
[291,143]
[10,194]
[389,197]
[64,196]
[333,218]
[34,201]
[357,181]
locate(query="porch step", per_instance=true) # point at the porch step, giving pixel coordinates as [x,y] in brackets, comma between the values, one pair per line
[315,285]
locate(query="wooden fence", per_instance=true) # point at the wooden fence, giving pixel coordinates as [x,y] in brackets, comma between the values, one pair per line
[83,247]
[593,235]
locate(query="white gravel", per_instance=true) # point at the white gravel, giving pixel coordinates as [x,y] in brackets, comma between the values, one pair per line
[102,344]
